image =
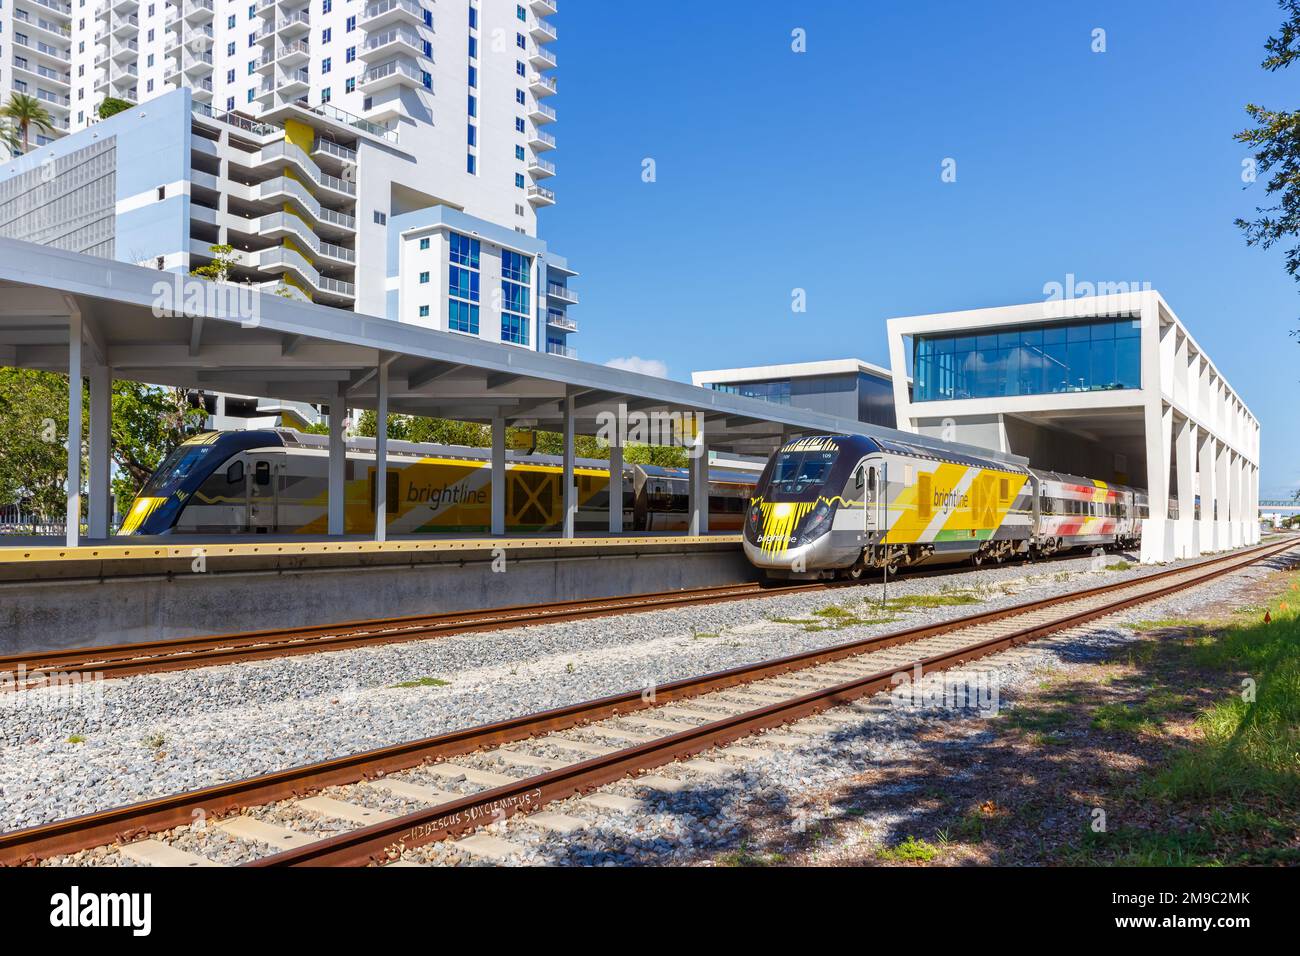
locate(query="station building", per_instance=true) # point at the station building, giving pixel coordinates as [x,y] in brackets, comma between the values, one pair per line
[1110,387]
[846,388]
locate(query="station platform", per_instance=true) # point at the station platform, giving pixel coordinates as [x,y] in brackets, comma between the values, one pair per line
[121,590]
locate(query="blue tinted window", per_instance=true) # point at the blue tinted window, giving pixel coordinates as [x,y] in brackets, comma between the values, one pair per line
[1082,356]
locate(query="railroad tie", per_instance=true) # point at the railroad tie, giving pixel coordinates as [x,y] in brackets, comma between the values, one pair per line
[579,746]
[613,801]
[157,853]
[517,759]
[486,846]
[555,822]
[482,778]
[414,792]
[259,831]
[339,810]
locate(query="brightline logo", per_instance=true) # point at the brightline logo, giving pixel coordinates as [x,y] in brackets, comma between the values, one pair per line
[75,909]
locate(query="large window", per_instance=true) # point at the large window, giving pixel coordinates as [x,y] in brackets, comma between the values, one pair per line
[516,306]
[463,284]
[1063,357]
[776,391]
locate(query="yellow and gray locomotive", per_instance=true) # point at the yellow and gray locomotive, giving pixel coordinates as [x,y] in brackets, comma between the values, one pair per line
[840,504]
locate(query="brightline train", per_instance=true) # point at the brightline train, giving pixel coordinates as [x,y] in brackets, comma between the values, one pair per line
[274,481]
[838,505]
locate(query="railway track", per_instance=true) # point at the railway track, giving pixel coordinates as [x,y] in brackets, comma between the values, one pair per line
[152,657]
[573,750]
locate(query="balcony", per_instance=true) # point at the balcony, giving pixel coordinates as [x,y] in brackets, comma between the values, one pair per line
[295,82]
[540,196]
[555,348]
[558,320]
[393,73]
[266,8]
[342,153]
[282,259]
[540,141]
[561,293]
[394,41]
[123,26]
[196,11]
[294,25]
[63,8]
[123,6]
[539,84]
[54,31]
[541,114]
[202,90]
[40,46]
[280,225]
[544,8]
[386,12]
[539,168]
[197,63]
[293,54]
[542,59]
[123,50]
[542,31]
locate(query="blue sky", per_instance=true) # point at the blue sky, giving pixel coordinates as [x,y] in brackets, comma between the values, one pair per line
[821,171]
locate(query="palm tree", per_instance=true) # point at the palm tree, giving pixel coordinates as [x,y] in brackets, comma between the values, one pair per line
[10,139]
[25,112]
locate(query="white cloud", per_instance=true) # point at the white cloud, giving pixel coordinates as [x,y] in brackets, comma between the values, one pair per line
[635,363]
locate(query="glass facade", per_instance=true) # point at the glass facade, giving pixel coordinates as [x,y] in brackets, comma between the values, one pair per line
[1087,356]
[864,397]
[463,284]
[516,308]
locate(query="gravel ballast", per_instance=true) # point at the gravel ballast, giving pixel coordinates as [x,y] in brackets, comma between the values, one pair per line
[159,734]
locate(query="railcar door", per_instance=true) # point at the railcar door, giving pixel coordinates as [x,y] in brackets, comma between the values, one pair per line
[875,497]
[263,483]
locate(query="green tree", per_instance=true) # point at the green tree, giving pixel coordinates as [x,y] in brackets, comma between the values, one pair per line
[25,112]
[1275,139]
[148,422]
[10,139]
[443,431]
[111,106]
[223,260]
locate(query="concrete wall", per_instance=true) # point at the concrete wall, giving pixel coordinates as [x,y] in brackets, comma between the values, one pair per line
[90,611]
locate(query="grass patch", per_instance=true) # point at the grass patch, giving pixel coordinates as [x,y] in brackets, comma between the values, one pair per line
[420,682]
[76,739]
[833,618]
[913,602]
[1119,566]
[747,857]
[153,741]
[910,850]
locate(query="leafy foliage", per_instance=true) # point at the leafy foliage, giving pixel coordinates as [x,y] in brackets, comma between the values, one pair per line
[444,431]
[148,422]
[24,112]
[1275,139]
[223,260]
[111,106]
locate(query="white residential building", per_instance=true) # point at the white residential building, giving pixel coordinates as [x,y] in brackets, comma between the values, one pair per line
[299,134]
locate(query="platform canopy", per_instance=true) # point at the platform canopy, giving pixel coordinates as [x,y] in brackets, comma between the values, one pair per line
[168,329]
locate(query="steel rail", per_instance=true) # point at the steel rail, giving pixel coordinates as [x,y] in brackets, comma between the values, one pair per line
[383,842]
[173,654]
[136,820]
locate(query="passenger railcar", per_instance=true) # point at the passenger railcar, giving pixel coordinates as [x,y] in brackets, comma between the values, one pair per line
[840,504]
[275,481]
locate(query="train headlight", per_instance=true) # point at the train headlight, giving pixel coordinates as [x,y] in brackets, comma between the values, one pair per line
[817,523]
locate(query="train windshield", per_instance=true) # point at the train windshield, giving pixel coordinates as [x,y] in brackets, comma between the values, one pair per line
[177,467]
[797,472]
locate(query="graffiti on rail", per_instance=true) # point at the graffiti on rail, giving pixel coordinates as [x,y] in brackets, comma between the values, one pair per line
[489,811]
